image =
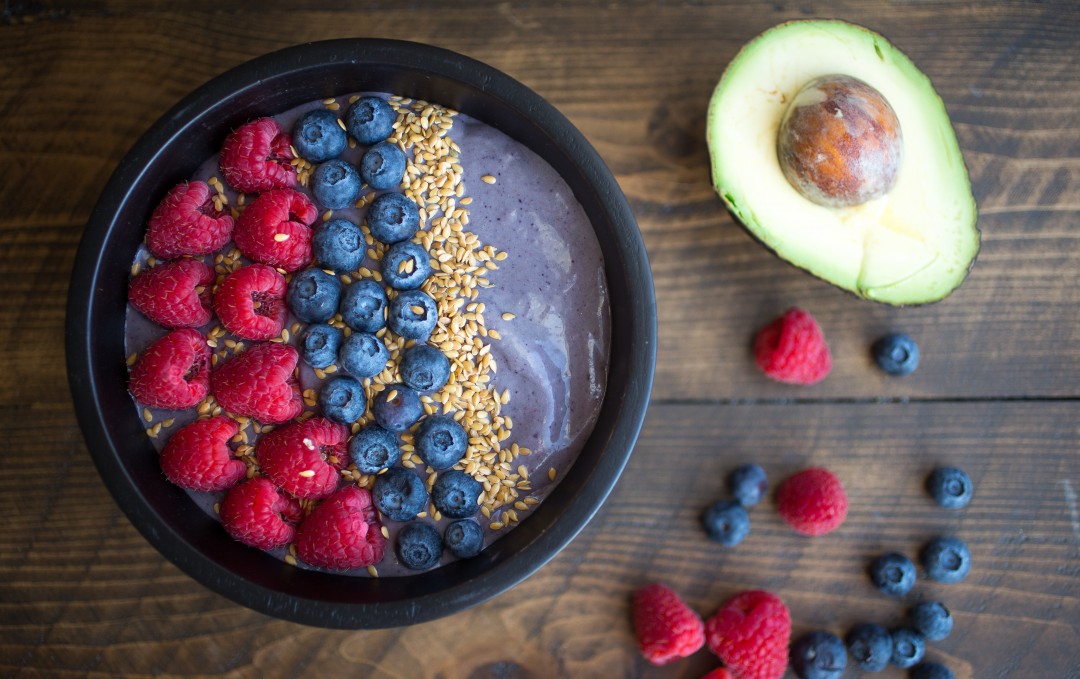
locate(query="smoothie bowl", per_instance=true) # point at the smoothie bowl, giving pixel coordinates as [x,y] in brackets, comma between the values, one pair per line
[361,333]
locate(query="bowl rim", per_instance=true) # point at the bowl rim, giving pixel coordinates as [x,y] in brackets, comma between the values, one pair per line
[426,64]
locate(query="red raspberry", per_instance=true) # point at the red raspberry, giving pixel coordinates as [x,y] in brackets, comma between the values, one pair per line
[792,349]
[750,633]
[174,294]
[718,673]
[812,501]
[303,458]
[257,514]
[259,382]
[255,157]
[186,222]
[342,532]
[251,302]
[666,628]
[198,456]
[274,229]
[173,372]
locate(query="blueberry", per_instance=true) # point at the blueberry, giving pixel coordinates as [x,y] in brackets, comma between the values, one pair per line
[412,314]
[424,368]
[363,305]
[317,136]
[870,646]
[932,620]
[418,546]
[464,538]
[362,354]
[374,449]
[748,484]
[726,522]
[456,494]
[818,655]
[440,441]
[370,120]
[313,295]
[908,647]
[406,265]
[946,559]
[399,494]
[338,245]
[930,670]
[319,345]
[343,400]
[336,184]
[950,487]
[893,574]
[393,217]
[397,407]
[383,166]
[896,354]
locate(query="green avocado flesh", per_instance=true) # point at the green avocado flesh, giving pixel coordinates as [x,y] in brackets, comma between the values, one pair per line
[913,245]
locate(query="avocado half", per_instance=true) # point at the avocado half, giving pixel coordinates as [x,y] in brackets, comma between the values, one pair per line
[913,245]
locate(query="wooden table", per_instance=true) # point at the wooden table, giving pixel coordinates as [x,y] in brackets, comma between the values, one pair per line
[83,594]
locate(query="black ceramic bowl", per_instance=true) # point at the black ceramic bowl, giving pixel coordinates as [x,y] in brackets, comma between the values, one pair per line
[168,153]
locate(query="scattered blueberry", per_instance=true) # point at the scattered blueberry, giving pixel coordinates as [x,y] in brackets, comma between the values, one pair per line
[363,305]
[406,265]
[456,494]
[383,166]
[932,620]
[896,354]
[464,538]
[930,670]
[908,647]
[374,449]
[893,574]
[362,354]
[412,314]
[870,646]
[950,487]
[946,559]
[399,494]
[343,399]
[338,245]
[397,407]
[318,137]
[726,522]
[336,184]
[319,345]
[818,655]
[424,368]
[440,441]
[370,120]
[419,546]
[393,217]
[748,484]
[313,295]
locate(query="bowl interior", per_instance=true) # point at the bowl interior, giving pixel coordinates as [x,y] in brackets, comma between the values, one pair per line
[168,153]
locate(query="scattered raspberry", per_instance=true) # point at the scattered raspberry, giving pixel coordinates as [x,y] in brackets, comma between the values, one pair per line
[173,372]
[256,513]
[186,222]
[812,501]
[342,532]
[251,302]
[274,229]
[303,458]
[718,673]
[198,457]
[792,349]
[255,157]
[174,294]
[666,628]
[750,633]
[259,382]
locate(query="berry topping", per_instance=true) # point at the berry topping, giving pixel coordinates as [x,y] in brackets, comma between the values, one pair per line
[370,120]
[343,399]
[314,295]
[303,458]
[946,559]
[870,646]
[362,354]
[441,441]
[464,538]
[950,487]
[930,670]
[255,157]
[818,655]
[317,136]
[342,532]
[186,222]
[319,345]
[257,514]
[251,302]
[259,382]
[363,306]
[932,620]
[812,501]
[383,166]
[174,294]
[792,349]
[338,245]
[892,573]
[399,494]
[406,265]
[424,368]
[750,634]
[374,449]
[726,522]
[336,184]
[173,372]
[908,647]
[666,628]
[456,494]
[418,546]
[393,217]
[274,229]
[397,407]
[412,314]
[748,484]
[896,354]
[198,457]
